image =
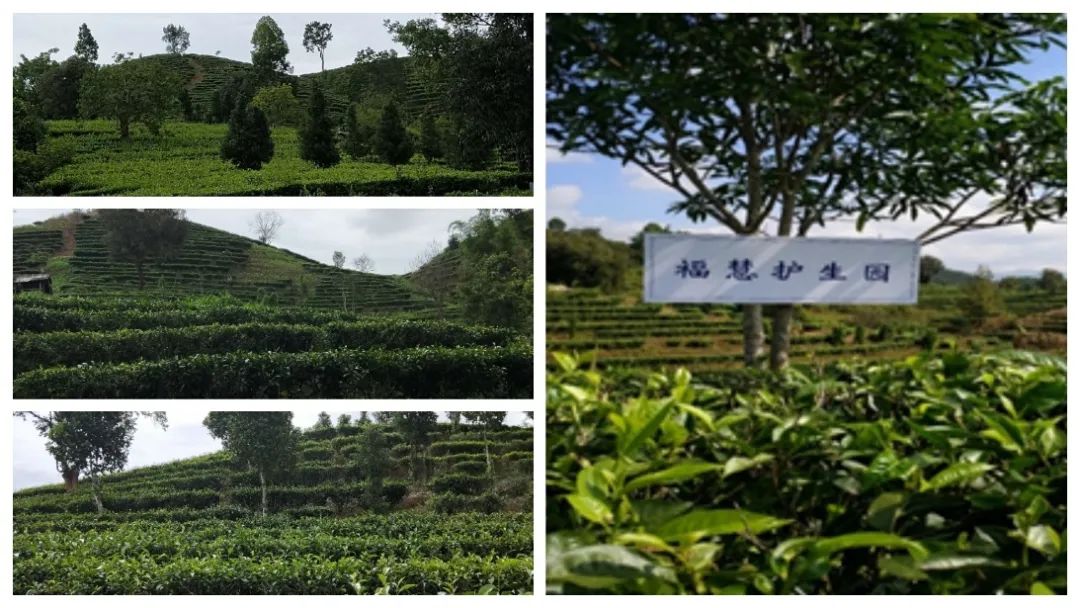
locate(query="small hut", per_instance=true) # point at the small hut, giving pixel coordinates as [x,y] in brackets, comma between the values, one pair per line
[33,282]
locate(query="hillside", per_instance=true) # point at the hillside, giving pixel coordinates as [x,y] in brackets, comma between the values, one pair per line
[459,522]
[210,261]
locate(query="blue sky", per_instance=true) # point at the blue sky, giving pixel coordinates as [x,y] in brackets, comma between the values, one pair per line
[185,437]
[587,190]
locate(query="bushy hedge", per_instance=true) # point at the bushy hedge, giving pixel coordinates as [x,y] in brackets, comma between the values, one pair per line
[470,467]
[430,372]
[450,502]
[47,349]
[444,448]
[460,483]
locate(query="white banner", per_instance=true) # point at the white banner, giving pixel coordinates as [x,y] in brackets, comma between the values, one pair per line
[778,270]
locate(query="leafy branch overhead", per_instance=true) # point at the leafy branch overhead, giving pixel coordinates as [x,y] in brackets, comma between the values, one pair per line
[803,119]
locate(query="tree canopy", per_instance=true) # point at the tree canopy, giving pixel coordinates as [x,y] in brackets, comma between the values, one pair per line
[263,441]
[269,50]
[316,36]
[136,236]
[86,48]
[176,39]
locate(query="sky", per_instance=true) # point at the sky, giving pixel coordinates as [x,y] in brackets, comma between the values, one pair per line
[587,190]
[185,437]
[391,237]
[229,33]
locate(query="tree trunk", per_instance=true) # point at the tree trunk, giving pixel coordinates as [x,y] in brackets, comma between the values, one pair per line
[142,276]
[262,482]
[71,479]
[95,490]
[753,335]
[780,343]
[125,127]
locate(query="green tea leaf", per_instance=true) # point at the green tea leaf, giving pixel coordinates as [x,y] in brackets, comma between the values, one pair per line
[716,522]
[961,473]
[590,508]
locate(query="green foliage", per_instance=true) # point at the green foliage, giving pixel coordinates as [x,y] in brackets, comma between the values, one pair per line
[317,134]
[264,441]
[86,48]
[247,144]
[430,138]
[134,235]
[130,91]
[278,104]
[1052,281]
[981,299]
[359,137]
[268,51]
[929,266]
[495,268]
[584,258]
[28,130]
[425,372]
[223,552]
[58,89]
[460,483]
[936,474]
[393,143]
[176,39]
[316,36]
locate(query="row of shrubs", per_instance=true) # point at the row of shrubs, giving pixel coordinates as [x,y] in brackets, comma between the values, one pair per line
[428,372]
[34,350]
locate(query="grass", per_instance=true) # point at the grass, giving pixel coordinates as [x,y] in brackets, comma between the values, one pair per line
[184,161]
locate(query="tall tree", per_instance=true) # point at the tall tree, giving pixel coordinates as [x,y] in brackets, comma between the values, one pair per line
[392,142]
[430,138]
[783,122]
[358,137]
[363,263]
[373,456]
[176,39]
[266,225]
[324,421]
[137,236]
[130,91]
[86,48]
[247,143]
[317,135]
[269,51]
[91,443]
[344,421]
[417,428]
[265,442]
[316,37]
[338,259]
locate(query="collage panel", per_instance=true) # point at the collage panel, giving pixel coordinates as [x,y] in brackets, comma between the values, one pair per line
[212,502]
[269,304]
[243,104]
[806,304]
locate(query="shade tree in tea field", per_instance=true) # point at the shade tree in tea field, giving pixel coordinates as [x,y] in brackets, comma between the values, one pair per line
[86,48]
[176,39]
[90,443]
[135,236]
[263,441]
[316,36]
[801,120]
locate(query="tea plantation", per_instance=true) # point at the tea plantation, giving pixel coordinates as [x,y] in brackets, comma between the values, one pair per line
[619,331]
[459,522]
[231,317]
[185,160]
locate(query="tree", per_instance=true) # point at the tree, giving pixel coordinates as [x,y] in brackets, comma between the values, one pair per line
[176,39]
[323,421]
[981,298]
[338,259]
[344,421]
[28,129]
[430,138]
[58,89]
[136,236]
[929,266]
[93,443]
[86,48]
[582,257]
[486,61]
[392,141]
[269,50]
[373,456]
[279,104]
[358,136]
[364,418]
[455,420]
[247,143]
[317,134]
[130,91]
[1052,281]
[487,421]
[556,225]
[316,37]
[266,225]
[263,441]
[363,263]
[417,428]
[798,120]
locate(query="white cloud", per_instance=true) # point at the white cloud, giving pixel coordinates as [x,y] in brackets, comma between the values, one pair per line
[638,179]
[562,201]
[555,157]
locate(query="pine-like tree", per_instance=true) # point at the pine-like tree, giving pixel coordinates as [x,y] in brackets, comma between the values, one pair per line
[317,136]
[247,144]
[430,139]
[357,137]
[392,141]
[86,47]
